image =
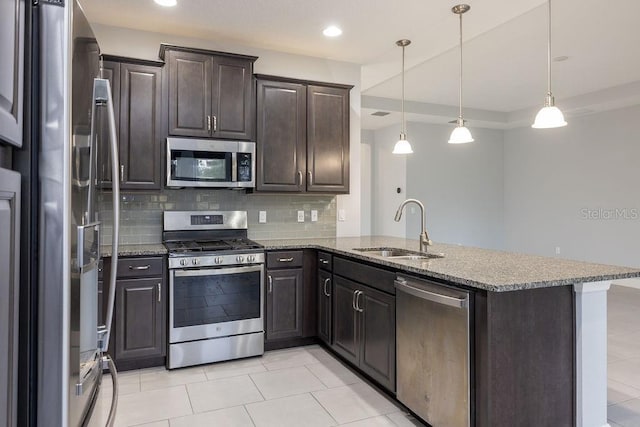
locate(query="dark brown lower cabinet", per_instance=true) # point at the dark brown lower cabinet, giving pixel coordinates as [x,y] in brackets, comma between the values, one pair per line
[284,299]
[139,319]
[139,326]
[364,329]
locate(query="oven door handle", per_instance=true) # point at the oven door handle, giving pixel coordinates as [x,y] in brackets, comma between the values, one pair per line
[217,271]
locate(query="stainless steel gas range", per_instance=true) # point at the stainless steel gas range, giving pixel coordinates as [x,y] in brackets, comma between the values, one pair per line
[216,276]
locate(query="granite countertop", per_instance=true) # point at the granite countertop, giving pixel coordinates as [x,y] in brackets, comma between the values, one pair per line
[491,270]
[135,250]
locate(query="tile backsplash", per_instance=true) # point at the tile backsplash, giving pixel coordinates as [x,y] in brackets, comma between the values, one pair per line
[141,213]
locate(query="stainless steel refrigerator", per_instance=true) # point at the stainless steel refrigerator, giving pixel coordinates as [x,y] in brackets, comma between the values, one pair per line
[75,107]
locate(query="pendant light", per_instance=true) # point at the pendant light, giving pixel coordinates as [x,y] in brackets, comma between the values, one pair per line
[549,116]
[403,146]
[460,134]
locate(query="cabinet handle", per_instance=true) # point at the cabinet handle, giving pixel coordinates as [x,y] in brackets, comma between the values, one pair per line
[326,282]
[285,259]
[159,292]
[353,300]
[324,261]
[209,123]
[215,123]
[310,177]
[299,178]
[358,308]
[121,173]
[270,284]
[139,267]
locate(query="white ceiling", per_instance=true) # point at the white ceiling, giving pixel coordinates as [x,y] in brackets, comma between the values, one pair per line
[505,42]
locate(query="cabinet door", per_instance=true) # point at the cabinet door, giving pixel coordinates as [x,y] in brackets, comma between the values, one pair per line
[324,305]
[327,139]
[232,115]
[140,126]
[378,326]
[111,71]
[11,70]
[139,319]
[345,320]
[284,304]
[190,77]
[281,136]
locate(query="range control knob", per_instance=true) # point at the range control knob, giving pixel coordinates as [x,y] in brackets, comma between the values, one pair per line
[251,258]
[240,258]
[218,260]
[183,262]
[195,261]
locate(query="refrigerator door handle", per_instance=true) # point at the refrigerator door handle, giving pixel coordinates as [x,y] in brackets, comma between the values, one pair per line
[102,96]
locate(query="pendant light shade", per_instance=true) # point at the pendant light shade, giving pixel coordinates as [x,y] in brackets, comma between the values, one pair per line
[549,116]
[460,135]
[403,146]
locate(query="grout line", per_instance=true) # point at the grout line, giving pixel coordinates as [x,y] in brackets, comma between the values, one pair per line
[189,397]
[257,388]
[325,409]
[249,413]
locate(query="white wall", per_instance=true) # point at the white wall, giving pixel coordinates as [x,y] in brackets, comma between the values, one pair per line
[146,45]
[460,185]
[551,176]
[366,186]
[388,172]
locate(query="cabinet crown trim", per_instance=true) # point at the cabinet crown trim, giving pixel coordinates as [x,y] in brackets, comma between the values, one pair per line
[165,47]
[116,58]
[268,77]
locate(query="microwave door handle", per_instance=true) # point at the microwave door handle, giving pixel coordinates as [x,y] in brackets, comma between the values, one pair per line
[234,167]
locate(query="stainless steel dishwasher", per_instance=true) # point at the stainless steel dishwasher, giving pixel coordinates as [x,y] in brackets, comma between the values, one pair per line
[433,351]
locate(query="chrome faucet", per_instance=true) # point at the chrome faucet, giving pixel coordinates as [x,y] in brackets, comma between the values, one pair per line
[424,237]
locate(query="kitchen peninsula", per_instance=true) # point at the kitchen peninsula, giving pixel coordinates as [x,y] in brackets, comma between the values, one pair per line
[539,344]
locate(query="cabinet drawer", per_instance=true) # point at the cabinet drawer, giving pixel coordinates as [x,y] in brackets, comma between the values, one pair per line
[140,267]
[325,261]
[284,259]
[371,276]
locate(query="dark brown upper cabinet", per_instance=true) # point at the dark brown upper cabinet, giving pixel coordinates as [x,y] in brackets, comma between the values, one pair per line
[210,93]
[302,136]
[137,97]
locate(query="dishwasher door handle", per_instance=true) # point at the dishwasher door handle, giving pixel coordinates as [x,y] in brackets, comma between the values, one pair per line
[404,286]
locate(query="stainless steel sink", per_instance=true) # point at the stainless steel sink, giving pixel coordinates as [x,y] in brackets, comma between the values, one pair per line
[398,253]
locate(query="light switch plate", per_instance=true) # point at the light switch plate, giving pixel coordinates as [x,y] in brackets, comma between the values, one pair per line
[262,217]
[314,215]
[342,215]
[300,216]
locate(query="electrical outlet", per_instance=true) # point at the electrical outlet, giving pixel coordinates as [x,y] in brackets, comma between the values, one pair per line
[262,217]
[314,215]
[342,215]
[300,216]
[557,250]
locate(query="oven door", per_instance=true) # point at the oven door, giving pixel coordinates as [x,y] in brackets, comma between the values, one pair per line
[215,302]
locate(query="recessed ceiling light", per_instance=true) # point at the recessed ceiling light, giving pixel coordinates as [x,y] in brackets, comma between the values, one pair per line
[166,3]
[332,31]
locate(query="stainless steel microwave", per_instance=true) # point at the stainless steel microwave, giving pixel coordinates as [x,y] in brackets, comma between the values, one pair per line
[210,163]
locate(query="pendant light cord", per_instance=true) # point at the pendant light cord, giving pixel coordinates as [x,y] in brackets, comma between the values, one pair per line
[404,125]
[549,51]
[460,88]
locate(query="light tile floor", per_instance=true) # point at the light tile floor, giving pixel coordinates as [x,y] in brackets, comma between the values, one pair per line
[624,356]
[304,386]
[309,386]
